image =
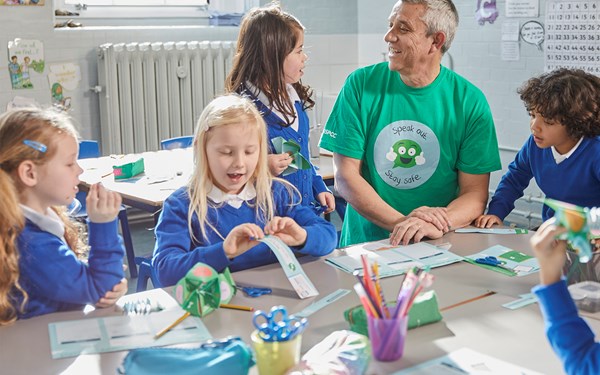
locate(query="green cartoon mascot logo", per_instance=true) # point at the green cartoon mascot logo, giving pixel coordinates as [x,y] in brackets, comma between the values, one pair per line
[406,153]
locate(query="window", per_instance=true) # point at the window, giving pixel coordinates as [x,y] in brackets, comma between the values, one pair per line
[146,12]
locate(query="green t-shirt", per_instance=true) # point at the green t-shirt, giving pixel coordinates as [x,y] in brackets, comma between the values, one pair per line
[411,141]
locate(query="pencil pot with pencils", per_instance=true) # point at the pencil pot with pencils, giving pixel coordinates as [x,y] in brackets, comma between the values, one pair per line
[387,337]
[424,311]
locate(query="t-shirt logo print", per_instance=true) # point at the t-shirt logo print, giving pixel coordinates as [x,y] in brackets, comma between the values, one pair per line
[406,154]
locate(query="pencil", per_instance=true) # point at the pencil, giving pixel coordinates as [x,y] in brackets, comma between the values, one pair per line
[236,307]
[181,319]
[490,293]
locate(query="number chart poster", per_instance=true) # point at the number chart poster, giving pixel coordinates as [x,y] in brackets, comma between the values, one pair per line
[573,35]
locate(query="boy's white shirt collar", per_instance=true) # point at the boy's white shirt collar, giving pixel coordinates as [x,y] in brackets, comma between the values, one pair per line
[294,97]
[558,158]
[234,200]
[50,222]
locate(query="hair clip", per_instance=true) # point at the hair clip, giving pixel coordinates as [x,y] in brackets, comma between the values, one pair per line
[35,145]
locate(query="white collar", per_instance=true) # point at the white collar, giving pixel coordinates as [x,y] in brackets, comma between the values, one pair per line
[559,158]
[234,200]
[50,222]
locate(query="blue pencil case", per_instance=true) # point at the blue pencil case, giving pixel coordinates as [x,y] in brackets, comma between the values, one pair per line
[227,356]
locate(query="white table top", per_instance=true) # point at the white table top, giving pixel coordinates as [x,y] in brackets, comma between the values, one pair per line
[515,336]
[165,172]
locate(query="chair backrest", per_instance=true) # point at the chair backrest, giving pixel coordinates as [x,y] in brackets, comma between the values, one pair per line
[88,149]
[177,142]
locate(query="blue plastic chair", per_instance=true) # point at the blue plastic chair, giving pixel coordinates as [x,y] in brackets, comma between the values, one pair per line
[146,272]
[91,149]
[177,142]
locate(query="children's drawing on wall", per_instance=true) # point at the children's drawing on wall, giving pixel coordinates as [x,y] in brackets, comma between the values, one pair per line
[24,56]
[486,11]
[21,2]
[63,77]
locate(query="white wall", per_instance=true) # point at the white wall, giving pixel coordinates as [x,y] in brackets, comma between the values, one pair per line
[341,36]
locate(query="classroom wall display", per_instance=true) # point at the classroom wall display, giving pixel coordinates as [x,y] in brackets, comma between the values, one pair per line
[21,2]
[532,32]
[573,35]
[24,57]
[486,11]
[61,78]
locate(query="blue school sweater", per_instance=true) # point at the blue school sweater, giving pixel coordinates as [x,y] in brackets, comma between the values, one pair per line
[56,280]
[175,252]
[570,336]
[576,180]
[307,181]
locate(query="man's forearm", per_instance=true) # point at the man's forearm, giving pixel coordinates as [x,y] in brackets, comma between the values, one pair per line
[365,200]
[466,208]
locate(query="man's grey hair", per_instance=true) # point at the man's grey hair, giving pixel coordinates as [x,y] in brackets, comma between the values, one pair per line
[440,16]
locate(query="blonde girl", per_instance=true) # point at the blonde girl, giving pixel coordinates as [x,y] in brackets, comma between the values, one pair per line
[232,200]
[38,155]
[268,66]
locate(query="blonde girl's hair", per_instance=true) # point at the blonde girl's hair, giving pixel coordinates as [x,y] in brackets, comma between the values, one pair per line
[267,36]
[11,224]
[23,132]
[222,111]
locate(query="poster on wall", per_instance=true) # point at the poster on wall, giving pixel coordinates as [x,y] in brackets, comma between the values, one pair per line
[522,8]
[24,57]
[21,2]
[63,77]
[573,35]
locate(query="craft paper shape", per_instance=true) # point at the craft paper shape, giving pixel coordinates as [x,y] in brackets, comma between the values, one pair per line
[203,289]
[293,149]
[579,221]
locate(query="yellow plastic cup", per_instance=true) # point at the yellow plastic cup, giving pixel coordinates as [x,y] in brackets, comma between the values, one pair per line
[275,358]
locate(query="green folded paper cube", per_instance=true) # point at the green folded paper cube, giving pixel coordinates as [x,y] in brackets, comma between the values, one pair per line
[128,170]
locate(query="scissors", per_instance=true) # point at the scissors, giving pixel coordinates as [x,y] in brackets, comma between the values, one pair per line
[277,325]
[317,207]
[253,291]
[491,260]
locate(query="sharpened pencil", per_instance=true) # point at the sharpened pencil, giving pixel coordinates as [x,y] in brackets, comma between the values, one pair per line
[236,307]
[181,319]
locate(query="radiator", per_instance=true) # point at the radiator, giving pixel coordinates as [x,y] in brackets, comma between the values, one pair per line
[153,91]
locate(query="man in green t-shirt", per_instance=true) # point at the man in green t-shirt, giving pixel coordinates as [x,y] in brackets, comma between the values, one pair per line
[414,143]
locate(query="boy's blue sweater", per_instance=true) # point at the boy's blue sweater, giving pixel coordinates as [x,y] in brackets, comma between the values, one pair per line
[175,252]
[56,280]
[570,336]
[576,180]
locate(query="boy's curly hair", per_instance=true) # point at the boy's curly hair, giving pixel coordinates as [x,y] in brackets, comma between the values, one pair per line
[570,97]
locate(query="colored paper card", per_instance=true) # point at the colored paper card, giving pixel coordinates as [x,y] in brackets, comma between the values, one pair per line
[323,302]
[521,264]
[293,149]
[123,332]
[393,260]
[465,361]
[294,272]
[525,300]
[492,230]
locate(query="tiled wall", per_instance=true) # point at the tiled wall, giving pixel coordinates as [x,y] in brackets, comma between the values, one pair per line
[341,36]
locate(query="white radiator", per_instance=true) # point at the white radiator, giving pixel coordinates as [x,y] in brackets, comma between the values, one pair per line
[154,91]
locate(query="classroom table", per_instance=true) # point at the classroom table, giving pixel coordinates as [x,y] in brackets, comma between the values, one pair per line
[165,172]
[515,336]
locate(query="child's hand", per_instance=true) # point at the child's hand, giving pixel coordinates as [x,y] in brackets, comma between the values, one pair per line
[327,199]
[112,296]
[241,239]
[278,163]
[102,205]
[486,221]
[287,230]
[438,216]
[551,253]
